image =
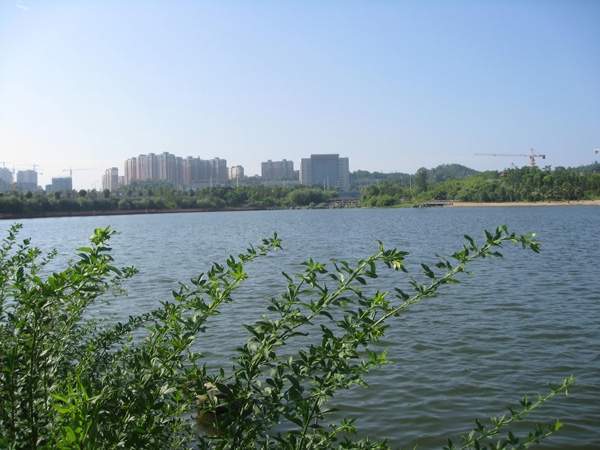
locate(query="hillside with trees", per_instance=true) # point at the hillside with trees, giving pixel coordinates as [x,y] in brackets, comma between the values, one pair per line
[362,178]
[512,185]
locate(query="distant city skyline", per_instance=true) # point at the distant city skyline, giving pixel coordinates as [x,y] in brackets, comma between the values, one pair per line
[327,170]
[95,181]
[392,85]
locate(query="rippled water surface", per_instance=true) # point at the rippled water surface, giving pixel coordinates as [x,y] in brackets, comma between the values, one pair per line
[513,326]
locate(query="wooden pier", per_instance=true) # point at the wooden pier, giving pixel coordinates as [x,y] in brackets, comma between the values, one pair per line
[434,203]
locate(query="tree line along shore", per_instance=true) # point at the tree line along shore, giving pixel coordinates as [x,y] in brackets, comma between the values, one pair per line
[453,183]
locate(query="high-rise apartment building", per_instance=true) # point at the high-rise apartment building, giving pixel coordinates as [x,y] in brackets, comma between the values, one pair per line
[168,169]
[219,169]
[147,167]
[6,179]
[236,173]
[130,170]
[186,171]
[327,170]
[277,170]
[27,180]
[141,167]
[110,180]
[179,172]
[6,175]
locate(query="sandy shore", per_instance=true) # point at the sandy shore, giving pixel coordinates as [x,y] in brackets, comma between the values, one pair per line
[548,203]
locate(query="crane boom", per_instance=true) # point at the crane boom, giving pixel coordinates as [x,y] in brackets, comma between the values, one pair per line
[71,170]
[532,155]
[501,154]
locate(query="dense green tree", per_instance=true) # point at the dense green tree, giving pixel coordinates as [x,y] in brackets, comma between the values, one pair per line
[304,197]
[421,180]
[158,196]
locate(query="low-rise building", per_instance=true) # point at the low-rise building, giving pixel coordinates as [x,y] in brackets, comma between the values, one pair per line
[60,184]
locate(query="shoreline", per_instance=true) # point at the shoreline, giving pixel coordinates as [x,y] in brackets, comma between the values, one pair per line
[522,204]
[120,212]
[128,212]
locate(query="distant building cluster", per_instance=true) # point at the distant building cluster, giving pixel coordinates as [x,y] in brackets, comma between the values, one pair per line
[324,170]
[27,181]
[327,170]
[181,172]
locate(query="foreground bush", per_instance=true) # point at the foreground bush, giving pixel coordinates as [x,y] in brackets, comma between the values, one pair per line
[69,381]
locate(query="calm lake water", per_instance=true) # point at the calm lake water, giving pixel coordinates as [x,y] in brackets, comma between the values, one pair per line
[515,324]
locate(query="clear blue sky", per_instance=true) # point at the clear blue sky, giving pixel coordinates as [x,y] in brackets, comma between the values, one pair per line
[393,85]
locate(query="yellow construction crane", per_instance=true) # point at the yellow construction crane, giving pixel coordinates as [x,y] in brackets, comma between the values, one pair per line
[532,155]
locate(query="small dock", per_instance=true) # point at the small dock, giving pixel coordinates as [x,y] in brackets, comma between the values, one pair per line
[347,202]
[434,203]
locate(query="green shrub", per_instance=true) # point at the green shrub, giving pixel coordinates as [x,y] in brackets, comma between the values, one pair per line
[68,381]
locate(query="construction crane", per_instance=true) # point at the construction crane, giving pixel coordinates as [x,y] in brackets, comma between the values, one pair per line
[36,168]
[532,155]
[4,163]
[20,166]
[70,170]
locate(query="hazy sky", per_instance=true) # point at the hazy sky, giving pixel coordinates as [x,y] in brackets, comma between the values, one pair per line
[393,85]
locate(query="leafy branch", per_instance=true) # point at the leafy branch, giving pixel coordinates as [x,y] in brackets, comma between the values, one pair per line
[478,437]
[67,381]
